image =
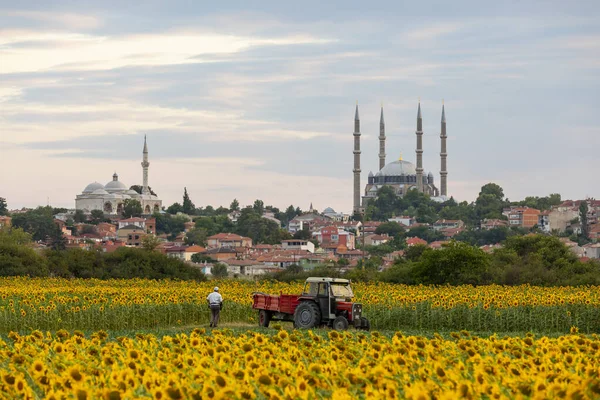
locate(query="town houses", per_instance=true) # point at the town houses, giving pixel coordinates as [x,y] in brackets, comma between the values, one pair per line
[312,239]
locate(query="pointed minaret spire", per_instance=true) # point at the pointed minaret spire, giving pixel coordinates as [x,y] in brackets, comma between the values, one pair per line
[356,170]
[443,156]
[145,165]
[443,114]
[381,140]
[419,133]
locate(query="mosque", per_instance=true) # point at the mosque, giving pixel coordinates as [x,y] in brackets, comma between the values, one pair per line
[110,197]
[400,175]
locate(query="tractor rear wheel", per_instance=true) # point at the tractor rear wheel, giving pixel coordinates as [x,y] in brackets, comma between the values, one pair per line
[264,317]
[365,325]
[307,315]
[340,323]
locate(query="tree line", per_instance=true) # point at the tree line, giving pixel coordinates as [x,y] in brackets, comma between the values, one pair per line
[18,257]
[533,259]
[488,205]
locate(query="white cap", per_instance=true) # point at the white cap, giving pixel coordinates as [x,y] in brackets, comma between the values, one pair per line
[216,289]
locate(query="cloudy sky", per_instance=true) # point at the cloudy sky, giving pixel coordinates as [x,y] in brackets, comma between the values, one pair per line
[255,99]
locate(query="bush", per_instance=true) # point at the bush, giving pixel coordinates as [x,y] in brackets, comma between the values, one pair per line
[21,260]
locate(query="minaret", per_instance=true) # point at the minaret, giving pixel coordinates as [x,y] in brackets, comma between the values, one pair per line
[443,155]
[419,133]
[381,141]
[145,165]
[356,170]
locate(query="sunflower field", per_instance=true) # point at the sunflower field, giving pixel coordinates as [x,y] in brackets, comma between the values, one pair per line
[88,304]
[297,365]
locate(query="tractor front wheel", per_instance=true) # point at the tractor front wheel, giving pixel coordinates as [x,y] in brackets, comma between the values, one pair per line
[307,315]
[340,323]
[264,317]
[365,325]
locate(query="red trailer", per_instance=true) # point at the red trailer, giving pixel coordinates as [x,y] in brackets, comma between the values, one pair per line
[324,301]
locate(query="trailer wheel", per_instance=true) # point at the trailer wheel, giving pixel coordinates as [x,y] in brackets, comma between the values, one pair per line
[340,323]
[264,318]
[365,325]
[307,315]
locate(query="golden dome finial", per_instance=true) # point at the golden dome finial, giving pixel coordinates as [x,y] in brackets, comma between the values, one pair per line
[400,159]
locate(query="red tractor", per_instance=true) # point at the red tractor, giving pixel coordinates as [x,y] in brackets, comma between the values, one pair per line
[324,301]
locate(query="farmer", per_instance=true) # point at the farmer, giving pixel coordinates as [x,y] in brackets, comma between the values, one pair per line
[215,303]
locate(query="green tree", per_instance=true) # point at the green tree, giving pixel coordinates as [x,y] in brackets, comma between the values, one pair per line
[196,236]
[57,239]
[490,202]
[379,251]
[150,242]
[303,234]
[290,214]
[15,236]
[96,217]
[583,212]
[38,222]
[139,188]
[423,232]
[79,216]
[259,229]
[219,270]
[175,208]
[3,206]
[413,253]
[202,258]
[383,207]
[235,205]
[188,206]
[390,229]
[132,208]
[17,259]
[259,207]
[456,263]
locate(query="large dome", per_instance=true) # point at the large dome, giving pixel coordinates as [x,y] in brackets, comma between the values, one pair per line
[93,186]
[398,168]
[115,185]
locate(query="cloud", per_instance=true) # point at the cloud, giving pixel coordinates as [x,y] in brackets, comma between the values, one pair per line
[80,52]
[259,104]
[429,33]
[62,20]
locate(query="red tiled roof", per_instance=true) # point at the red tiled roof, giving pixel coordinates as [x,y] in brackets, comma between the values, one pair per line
[228,236]
[438,244]
[195,249]
[415,240]
[134,219]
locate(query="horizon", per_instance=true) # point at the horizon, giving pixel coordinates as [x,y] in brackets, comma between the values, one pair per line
[257,102]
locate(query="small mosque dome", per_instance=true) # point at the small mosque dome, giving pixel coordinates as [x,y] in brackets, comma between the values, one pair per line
[115,185]
[100,192]
[93,186]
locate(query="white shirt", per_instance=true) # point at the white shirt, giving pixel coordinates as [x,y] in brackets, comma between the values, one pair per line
[214,298]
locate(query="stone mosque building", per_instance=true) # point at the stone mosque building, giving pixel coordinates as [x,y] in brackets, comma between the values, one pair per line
[400,175]
[110,197]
